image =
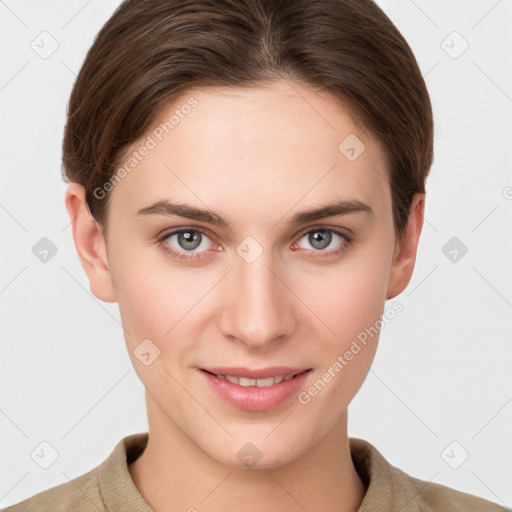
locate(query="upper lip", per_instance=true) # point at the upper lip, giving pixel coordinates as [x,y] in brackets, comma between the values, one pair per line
[252,373]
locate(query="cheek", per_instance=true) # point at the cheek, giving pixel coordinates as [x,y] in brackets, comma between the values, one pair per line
[159,301]
[348,299]
[148,308]
[352,308]
[151,305]
[353,311]
[144,294]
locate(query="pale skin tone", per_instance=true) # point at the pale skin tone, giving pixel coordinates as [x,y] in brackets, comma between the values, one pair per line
[255,157]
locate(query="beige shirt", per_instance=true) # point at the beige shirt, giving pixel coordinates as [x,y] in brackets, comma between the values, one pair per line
[109,487]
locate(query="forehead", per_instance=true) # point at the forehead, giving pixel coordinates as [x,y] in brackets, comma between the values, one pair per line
[280,141]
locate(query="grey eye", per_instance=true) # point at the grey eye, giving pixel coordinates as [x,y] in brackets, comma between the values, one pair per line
[189,240]
[320,238]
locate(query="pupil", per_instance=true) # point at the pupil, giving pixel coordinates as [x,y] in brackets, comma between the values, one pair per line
[320,237]
[190,237]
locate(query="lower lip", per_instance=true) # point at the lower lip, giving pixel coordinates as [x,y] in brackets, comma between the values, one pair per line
[252,398]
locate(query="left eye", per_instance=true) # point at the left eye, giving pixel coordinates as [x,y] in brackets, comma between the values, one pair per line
[321,239]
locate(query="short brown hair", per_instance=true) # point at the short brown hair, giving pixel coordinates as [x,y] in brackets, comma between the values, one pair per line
[151,51]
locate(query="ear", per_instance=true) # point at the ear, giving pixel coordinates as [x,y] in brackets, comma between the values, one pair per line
[404,256]
[90,244]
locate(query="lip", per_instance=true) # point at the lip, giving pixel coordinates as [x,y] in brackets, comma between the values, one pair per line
[253,398]
[261,373]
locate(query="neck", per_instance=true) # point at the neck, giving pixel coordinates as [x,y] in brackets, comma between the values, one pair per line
[174,474]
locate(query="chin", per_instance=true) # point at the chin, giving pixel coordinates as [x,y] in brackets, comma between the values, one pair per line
[256,452]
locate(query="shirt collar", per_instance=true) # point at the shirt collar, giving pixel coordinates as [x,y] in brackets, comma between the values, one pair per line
[117,487]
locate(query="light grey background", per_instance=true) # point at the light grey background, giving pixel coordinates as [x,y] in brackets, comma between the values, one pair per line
[442,369]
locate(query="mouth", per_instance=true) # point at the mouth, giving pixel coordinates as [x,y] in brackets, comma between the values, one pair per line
[245,381]
[256,390]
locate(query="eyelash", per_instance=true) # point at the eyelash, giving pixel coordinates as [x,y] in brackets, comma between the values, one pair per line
[348,241]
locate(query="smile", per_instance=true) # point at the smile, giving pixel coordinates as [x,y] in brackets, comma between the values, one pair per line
[260,383]
[255,390]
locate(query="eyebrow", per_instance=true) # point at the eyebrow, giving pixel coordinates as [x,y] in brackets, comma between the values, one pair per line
[333,209]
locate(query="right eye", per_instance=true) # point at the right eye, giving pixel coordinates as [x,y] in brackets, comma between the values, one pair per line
[189,243]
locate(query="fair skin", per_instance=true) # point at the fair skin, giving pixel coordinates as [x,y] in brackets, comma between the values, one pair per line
[255,157]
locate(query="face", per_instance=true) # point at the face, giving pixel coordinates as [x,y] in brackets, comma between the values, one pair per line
[249,284]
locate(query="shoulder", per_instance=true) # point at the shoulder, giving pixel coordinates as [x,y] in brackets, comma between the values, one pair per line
[390,488]
[433,497]
[80,495]
[108,486]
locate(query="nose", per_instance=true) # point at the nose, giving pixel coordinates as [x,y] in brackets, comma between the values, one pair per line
[260,307]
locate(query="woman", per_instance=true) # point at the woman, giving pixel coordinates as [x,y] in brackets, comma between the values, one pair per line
[247,181]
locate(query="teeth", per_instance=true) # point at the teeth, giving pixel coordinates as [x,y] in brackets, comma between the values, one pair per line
[260,383]
[243,381]
[269,381]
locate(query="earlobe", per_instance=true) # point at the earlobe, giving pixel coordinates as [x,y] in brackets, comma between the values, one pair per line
[90,244]
[404,257]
